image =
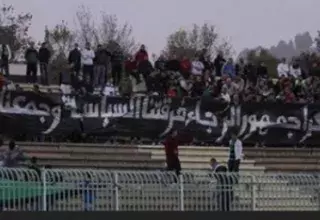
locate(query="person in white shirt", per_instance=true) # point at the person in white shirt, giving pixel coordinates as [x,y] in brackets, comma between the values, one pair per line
[87,56]
[224,94]
[295,70]
[283,69]
[197,67]
[235,153]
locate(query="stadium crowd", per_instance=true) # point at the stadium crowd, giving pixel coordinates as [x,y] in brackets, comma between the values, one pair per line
[221,78]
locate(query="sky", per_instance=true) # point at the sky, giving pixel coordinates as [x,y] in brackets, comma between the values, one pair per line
[246,23]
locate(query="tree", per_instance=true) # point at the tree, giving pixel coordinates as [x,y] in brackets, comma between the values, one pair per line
[14,28]
[60,39]
[189,42]
[108,32]
[263,55]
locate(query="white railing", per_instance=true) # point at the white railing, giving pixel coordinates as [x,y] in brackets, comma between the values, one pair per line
[95,190]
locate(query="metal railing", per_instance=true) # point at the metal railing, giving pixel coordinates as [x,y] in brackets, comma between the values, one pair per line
[97,190]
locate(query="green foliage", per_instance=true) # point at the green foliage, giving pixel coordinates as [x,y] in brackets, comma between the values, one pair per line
[14,28]
[263,55]
[190,42]
[60,39]
[107,32]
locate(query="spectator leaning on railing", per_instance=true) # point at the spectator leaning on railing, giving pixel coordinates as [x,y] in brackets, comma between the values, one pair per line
[13,156]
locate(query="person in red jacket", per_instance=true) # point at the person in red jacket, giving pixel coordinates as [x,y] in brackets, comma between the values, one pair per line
[141,55]
[185,67]
[171,149]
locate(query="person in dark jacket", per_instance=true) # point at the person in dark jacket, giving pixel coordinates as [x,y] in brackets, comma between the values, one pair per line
[4,60]
[75,59]
[32,59]
[171,145]
[173,64]
[218,63]
[44,57]
[262,70]
[117,62]
[101,65]
[224,189]
[160,64]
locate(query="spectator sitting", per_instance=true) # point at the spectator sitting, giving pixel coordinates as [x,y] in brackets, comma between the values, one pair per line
[197,67]
[283,68]
[12,156]
[229,69]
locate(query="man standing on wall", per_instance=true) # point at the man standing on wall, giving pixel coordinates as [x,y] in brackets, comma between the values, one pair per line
[44,57]
[32,58]
[171,148]
[87,57]
[235,153]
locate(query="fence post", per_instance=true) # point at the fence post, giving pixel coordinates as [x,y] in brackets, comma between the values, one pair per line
[181,192]
[44,189]
[116,191]
[253,193]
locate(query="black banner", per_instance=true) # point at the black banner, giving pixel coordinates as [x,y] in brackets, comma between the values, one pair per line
[202,120]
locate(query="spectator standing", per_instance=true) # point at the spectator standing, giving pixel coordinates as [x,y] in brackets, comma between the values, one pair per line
[173,64]
[32,59]
[224,189]
[117,62]
[33,164]
[235,153]
[5,60]
[240,67]
[130,66]
[229,69]
[262,71]
[87,57]
[295,70]
[171,149]
[145,68]
[160,64]
[218,63]
[102,58]
[185,67]
[142,54]
[74,59]
[197,67]
[224,96]
[44,57]
[283,68]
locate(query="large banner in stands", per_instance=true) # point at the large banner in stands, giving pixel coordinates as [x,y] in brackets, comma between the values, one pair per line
[202,120]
